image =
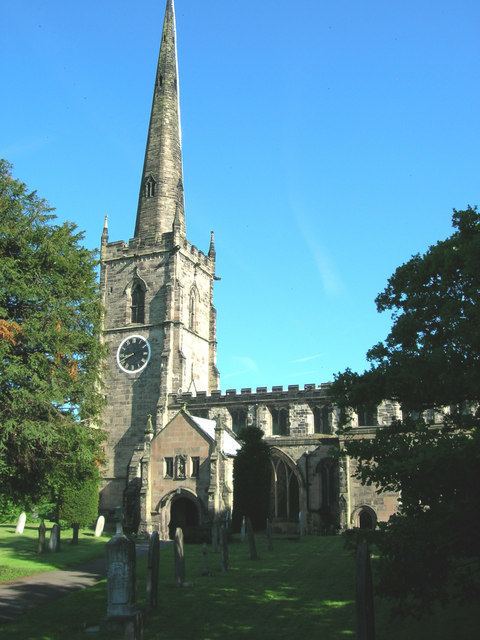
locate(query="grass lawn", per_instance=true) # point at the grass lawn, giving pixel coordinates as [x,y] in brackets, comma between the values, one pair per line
[301,589]
[19,558]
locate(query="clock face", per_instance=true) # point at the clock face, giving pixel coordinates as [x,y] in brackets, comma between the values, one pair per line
[133,354]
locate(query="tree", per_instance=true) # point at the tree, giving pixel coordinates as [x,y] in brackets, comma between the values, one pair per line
[429,361]
[78,504]
[50,350]
[251,479]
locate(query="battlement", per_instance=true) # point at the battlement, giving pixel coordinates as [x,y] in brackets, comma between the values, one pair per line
[196,253]
[248,395]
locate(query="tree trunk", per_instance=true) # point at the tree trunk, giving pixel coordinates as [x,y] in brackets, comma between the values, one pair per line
[76,528]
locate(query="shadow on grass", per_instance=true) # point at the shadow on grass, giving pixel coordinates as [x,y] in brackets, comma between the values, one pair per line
[20,551]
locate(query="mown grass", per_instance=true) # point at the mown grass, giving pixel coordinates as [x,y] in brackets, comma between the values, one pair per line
[301,589]
[19,558]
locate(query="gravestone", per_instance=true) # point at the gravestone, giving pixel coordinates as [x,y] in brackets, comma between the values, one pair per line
[243,530]
[42,537]
[251,540]
[224,549]
[54,541]
[205,563]
[215,536]
[269,535]
[153,565]
[364,594]
[121,563]
[22,518]
[99,527]
[179,557]
[302,523]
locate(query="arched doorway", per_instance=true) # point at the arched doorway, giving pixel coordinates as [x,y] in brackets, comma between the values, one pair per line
[365,520]
[183,514]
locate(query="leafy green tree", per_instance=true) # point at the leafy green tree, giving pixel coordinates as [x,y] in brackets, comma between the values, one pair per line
[50,350]
[429,360]
[251,479]
[78,504]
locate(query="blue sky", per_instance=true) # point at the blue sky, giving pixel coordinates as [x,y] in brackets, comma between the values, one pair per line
[324,142]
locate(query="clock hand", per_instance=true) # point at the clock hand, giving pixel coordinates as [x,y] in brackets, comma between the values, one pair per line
[129,355]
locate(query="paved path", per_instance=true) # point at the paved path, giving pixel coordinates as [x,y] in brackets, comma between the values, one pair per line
[31,591]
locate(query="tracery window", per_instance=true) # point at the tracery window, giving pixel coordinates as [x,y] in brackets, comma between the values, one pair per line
[149,187]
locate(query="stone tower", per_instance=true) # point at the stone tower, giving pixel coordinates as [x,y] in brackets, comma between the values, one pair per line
[157,290]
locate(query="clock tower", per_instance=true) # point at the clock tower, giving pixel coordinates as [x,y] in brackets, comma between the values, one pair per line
[157,291]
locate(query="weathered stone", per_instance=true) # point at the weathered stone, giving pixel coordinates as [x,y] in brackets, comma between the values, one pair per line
[179,558]
[54,541]
[42,534]
[205,562]
[251,540]
[215,536]
[302,523]
[224,549]
[364,594]
[153,566]
[121,566]
[99,527]
[22,518]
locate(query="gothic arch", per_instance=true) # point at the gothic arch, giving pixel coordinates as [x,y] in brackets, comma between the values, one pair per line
[166,504]
[135,299]
[364,517]
[287,488]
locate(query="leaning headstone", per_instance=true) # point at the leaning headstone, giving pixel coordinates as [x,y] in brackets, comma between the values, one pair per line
[243,530]
[121,563]
[215,536]
[302,523]
[179,556]
[42,537]
[22,518]
[364,594]
[99,527]
[269,535]
[224,549]
[54,541]
[153,565]
[251,540]
[205,563]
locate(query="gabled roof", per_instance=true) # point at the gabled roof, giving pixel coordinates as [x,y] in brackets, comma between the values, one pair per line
[230,445]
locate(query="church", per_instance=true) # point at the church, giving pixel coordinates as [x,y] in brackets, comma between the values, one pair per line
[171,430]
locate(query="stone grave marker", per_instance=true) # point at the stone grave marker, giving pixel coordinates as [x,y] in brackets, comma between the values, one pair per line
[99,527]
[364,594]
[42,537]
[205,562]
[54,541]
[215,536]
[251,540]
[269,535]
[302,523]
[121,565]
[243,530]
[224,549]
[22,518]
[179,558]
[153,566]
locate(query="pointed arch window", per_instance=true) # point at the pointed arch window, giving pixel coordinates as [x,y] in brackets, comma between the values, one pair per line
[149,187]
[192,310]
[138,304]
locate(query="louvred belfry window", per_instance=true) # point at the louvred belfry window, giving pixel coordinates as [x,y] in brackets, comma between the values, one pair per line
[138,304]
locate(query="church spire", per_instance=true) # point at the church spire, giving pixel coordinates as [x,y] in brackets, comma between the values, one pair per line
[160,201]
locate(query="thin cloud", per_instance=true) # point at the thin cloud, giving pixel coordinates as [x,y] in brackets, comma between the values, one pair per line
[242,364]
[306,358]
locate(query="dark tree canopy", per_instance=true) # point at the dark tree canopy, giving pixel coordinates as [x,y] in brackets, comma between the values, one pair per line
[251,479]
[430,360]
[50,350]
